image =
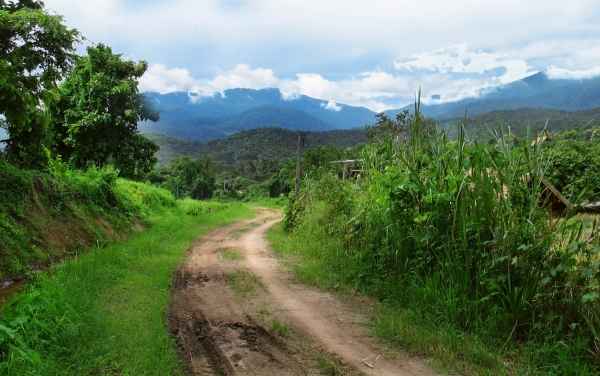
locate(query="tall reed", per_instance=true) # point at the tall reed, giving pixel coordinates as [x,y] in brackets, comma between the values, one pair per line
[457,227]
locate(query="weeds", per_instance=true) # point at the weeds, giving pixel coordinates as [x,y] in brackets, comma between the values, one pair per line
[231,256]
[329,365]
[244,282]
[280,328]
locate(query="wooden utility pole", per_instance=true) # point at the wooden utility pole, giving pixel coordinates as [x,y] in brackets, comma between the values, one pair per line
[301,142]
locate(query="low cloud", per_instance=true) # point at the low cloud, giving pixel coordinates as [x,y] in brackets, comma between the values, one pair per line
[289,95]
[565,74]
[376,90]
[160,79]
[370,89]
[332,106]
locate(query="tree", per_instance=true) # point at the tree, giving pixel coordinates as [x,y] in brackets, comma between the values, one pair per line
[95,119]
[397,130]
[36,51]
[191,177]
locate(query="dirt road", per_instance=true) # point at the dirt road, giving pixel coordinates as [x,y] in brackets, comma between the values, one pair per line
[235,311]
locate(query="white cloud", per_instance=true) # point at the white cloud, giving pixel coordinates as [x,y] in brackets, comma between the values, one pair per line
[332,106]
[161,79]
[289,96]
[458,59]
[243,76]
[558,73]
[376,90]
[366,90]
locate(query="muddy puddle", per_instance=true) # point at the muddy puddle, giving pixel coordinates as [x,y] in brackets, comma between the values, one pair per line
[9,290]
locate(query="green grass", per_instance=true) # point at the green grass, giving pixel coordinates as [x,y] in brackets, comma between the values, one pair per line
[244,282]
[410,324]
[103,313]
[280,328]
[451,238]
[329,365]
[230,255]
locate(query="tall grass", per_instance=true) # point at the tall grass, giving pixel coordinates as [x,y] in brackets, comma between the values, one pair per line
[454,230]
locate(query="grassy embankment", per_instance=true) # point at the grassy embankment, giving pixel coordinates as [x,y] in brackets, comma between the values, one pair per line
[102,311]
[450,241]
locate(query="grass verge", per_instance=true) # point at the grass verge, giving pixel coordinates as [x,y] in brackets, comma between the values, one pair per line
[103,313]
[446,349]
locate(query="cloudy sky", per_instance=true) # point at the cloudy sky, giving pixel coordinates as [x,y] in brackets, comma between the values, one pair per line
[374,53]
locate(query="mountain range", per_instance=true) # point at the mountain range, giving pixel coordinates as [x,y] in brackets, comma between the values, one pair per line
[535,91]
[195,117]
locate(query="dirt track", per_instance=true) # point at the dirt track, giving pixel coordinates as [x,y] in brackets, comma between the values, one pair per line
[236,312]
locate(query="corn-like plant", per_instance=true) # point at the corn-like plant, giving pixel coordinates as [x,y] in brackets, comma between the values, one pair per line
[458,226]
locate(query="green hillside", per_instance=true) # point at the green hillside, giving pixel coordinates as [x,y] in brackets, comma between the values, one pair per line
[272,143]
[478,126]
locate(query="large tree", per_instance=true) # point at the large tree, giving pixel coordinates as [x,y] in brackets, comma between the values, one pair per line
[36,51]
[95,119]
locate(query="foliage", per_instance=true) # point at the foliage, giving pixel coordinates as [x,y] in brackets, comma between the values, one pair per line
[95,119]
[453,231]
[36,51]
[187,177]
[14,186]
[385,127]
[46,216]
[575,166]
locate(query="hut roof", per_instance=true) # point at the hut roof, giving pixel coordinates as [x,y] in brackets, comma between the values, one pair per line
[540,140]
[556,192]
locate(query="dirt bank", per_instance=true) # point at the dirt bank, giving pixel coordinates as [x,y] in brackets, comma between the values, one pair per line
[236,311]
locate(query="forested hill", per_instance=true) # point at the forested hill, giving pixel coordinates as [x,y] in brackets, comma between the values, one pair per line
[272,143]
[478,126]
